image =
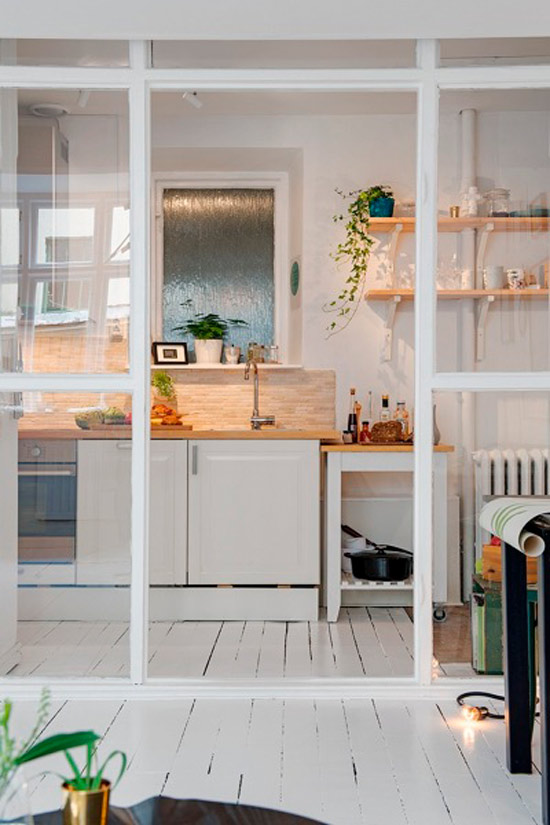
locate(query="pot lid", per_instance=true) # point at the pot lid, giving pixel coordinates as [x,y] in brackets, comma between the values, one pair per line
[377,550]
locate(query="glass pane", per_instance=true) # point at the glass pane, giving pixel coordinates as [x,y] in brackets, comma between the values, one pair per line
[65,534]
[65,231]
[500,446]
[272,54]
[228,595]
[493,261]
[512,51]
[94,53]
[218,257]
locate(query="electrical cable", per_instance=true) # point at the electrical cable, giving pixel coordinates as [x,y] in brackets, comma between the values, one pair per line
[476,712]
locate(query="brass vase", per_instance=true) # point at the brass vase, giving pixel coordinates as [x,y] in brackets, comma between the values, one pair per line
[86,807]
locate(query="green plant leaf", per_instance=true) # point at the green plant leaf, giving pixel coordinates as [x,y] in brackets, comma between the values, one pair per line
[54,744]
[99,776]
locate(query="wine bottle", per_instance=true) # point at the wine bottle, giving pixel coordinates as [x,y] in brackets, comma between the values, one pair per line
[352,420]
[385,414]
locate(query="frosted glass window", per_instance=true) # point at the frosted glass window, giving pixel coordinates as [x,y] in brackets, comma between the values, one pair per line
[218,255]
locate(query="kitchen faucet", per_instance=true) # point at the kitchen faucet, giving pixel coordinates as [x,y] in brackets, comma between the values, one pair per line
[256,420]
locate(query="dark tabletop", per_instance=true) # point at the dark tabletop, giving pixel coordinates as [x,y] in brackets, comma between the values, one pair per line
[161,810]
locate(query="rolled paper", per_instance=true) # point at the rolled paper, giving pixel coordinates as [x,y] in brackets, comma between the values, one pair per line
[530,544]
[508,516]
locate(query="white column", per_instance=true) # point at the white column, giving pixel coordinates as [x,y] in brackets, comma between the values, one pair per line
[139,357]
[426,259]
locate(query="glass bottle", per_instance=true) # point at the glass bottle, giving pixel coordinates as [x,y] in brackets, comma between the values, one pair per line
[401,414]
[385,414]
[352,420]
[364,435]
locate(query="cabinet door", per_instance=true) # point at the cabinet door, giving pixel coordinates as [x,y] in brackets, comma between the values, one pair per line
[168,513]
[254,512]
[104,512]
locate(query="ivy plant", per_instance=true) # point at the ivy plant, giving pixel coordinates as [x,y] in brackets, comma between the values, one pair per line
[354,251]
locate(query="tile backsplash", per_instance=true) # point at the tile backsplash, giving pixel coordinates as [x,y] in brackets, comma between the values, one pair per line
[218,399]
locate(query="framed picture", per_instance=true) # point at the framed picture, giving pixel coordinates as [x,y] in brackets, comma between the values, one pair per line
[166,353]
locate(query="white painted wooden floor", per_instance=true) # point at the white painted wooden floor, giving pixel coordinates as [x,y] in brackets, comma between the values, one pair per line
[351,762]
[364,642]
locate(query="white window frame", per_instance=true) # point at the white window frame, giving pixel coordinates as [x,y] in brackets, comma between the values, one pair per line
[426,80]
[278,181]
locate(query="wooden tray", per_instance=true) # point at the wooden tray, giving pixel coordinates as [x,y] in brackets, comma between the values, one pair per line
[127,428]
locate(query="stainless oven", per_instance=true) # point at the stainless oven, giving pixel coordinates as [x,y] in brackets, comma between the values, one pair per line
[47,500]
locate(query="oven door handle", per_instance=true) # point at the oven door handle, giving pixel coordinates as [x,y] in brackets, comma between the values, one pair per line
[46,473]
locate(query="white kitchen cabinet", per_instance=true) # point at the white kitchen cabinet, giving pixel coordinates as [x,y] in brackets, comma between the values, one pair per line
[104,512]
[254,512]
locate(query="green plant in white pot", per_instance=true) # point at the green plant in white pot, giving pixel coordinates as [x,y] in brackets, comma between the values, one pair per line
[209,330]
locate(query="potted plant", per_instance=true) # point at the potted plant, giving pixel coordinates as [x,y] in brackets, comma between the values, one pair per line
[381,201]
[164,391]
[86,792]
[355,250]
[13,798]
[209,331]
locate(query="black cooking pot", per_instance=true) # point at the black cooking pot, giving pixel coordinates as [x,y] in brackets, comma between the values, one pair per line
[381,563]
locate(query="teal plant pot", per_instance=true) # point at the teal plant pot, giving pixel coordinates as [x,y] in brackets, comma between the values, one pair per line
[381,207]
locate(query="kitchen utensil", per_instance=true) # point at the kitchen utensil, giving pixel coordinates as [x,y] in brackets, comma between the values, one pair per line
[381,563]
[232,354]
[515,278]
[493,277]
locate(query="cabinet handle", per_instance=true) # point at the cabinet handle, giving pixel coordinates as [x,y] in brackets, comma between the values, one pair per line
[195,460]
[124,445]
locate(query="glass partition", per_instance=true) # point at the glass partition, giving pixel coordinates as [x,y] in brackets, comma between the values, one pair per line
[492,51]
[65,534]
[92,53]
[65,233]
[494,240]
[288,54]
[239,585]
[499,446]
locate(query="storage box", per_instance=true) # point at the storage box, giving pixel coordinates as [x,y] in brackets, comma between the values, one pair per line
[486,624]
[492,565]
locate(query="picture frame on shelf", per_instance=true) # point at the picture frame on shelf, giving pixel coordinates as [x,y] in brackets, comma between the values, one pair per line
[166,353]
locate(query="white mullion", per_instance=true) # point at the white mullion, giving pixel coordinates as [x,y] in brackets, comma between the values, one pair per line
[272,79]
[491,381]
[426,252]
[76,382]
[139,358]
[493,77]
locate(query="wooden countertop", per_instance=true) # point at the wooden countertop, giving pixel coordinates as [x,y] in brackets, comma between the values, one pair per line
[380,448]
[119,434]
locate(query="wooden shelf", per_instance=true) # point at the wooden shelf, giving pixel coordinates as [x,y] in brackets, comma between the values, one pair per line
[350,583]
[458,224]
[241,366]
[457,294]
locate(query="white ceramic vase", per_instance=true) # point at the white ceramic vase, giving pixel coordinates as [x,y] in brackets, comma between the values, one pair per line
[208,351]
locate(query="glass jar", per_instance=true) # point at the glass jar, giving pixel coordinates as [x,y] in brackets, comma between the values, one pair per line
[498,203]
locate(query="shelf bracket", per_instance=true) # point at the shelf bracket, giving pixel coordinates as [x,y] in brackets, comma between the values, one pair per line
[392,251]
[484,305]
[388,327]
[482,248]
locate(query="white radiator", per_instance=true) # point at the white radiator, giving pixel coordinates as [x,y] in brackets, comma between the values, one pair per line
[508,472]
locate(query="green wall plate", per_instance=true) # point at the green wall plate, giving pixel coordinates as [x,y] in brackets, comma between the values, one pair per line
[295,277]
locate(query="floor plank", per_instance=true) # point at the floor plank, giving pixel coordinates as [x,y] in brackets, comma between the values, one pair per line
[352,762]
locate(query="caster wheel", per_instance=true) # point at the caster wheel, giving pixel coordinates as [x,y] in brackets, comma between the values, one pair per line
[440,614]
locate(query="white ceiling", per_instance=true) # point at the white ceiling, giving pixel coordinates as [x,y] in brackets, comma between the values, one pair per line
[290,19]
